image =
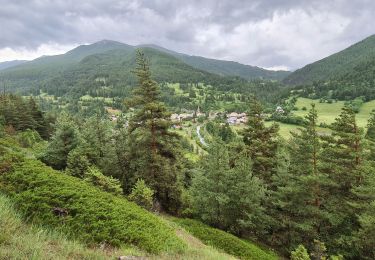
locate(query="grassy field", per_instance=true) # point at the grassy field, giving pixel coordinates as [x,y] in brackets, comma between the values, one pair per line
[328,112]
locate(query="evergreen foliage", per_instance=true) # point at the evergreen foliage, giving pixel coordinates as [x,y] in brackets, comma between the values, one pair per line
[261,142]
[105,183]
[300,254]
[22,114]
[301,188]
[77,208]
[225,196]
[142,195]
[154,148]
[224,241]
[63,141]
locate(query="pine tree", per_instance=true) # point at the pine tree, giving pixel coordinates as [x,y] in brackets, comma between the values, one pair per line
[364,204]
[227,197]
[41,125]
[153,147]
[301,188]
[63,141]
[261,142]
[370,136]
[344,161]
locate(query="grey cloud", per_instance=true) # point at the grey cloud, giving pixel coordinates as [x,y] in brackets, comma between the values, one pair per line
[196,26]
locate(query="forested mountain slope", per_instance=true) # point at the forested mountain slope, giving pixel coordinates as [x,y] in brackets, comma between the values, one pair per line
[337,65]
[110,57]
[224,67]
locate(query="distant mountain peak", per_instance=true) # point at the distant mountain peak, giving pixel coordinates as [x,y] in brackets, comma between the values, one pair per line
[105,42]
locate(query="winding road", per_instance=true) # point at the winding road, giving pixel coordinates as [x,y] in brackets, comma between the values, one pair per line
[201,139]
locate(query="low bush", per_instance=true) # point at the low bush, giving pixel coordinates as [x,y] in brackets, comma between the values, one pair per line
[142,195]
[105,183]
[22,241]
[222,240]
[28,138]
[48,197]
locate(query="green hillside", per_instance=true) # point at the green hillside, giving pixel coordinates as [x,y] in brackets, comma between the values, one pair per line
[336,65]
[111,58]
[223,67]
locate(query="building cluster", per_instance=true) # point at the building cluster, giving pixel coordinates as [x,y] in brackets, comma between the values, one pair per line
[236,118]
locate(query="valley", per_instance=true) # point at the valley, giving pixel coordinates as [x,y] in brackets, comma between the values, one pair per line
[139,151]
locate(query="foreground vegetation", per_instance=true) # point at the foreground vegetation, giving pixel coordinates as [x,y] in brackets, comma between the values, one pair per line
[225,241]
[23,241]
[82,211]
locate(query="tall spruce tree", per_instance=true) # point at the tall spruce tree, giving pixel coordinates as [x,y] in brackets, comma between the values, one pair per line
[364,205]
[261,142]
[301,188]
[344,162]
[153,147]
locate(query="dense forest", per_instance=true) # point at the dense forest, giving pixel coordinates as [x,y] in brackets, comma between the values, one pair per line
[310,196]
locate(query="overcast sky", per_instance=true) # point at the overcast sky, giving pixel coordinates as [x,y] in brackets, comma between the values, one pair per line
[285,34]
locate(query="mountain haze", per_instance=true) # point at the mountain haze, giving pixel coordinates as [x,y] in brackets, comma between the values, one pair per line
[8,64]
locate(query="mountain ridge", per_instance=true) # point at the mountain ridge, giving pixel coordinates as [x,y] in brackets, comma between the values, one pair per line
[219,67]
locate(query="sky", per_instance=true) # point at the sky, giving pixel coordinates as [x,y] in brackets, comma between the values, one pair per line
[273,34]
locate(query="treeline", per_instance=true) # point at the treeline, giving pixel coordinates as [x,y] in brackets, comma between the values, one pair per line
[18,114]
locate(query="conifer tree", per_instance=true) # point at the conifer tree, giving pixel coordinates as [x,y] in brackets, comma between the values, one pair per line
[370,136]
[153,147]
[64,140]
[301,188]
[227,197]
[261,142]
[344,161]
[370,133]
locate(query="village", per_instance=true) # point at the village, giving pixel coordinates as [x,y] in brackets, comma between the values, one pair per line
[232,118]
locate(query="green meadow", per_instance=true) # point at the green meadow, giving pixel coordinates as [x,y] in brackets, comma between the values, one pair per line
[328,112]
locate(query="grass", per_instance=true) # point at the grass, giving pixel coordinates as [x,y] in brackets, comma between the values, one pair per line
[224,241]
[22,241]
[328,112]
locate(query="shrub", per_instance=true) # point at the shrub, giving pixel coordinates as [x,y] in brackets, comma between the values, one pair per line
[77,163]
[28,138]
[84,212]
[105,183]
[142,195]
[300,254]
[225,241]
